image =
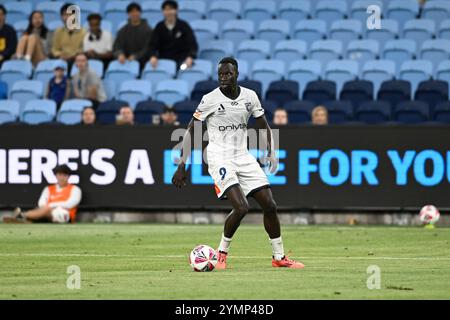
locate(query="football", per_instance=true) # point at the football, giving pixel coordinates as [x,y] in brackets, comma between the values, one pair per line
[429,215]
[203,258]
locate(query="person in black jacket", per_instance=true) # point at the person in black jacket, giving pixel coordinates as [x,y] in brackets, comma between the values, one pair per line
[8,37]
[173,38]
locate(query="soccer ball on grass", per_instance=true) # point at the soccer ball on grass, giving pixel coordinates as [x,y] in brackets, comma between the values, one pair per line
[203,258]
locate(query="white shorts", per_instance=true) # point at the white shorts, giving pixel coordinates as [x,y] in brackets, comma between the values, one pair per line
[60,215]
[242,170]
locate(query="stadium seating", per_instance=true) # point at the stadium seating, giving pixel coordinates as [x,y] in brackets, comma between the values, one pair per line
[310,30]
[363,51]
[165,70]
[205,30]
[399,51]
[15,70]
[419,30]
[191,10]
[50,9]
[320,91]
[304,72]
[108,110]
[273,31]
[253,85]
[17,11]
[294,10]
[432,92]
[259,10]
[444,29]
[282,91]
[411,112]
[326,50]
[357,91]
[346,30]
[70,111]
[373,112]
[222,11]
[289,50]
[331,10]
[253,50]
[442,112]
[416,71]
[185,110]
[172,91]
[339,111]
[358,9]
[115,12]
[146,110]
[3,90]
[38,111]
[299,111]
[151,11]
[20,27]
[45,70]
[200,70]
[267,71]
[215,50]
[26,90]
[134,91]
[118,72]
[402,11]
[341,71]
[9,111]
[437,10]
[389,31]
[203,87]
[378,71]
[394,91]
[443,71]
[435,50]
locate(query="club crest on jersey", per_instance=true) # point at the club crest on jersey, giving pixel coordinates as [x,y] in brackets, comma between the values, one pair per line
[247,106]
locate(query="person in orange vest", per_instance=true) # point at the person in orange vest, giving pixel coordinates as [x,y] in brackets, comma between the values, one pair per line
[58,203]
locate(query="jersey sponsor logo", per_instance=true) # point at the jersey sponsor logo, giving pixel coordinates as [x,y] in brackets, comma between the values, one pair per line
[221,110]
[233,127]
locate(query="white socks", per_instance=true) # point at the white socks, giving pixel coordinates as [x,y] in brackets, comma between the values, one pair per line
[224,245]
[277,248]
[27,57]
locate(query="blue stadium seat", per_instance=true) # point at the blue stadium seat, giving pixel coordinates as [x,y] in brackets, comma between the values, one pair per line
[3,90]
[358,9]
[115,12]
[151,11]
[289,50]
[443,71]
[55,24]
[191,10]
[341,71]
[70,111]
[339,111]
[331,10]
[17,11]
[134,91]
[362,51]
[304,71]
[215,50]
[185,110]
[171,91]
[273,31]
[419,30]
[394,91]
[108,110]
[200,70]
[320,91]
[110,88]
[45,70]
[442,112]
[416,71]
[282,91]
[346,30]
[238,31]
[435,50]
[373,112]
[267,71]
[50,9]
[165,70]
[389,31]
[432,92]
[294,10]
[326,50]
[357,91]
[9,111]
[20,27]
[310,30]
[254,85]
[118,72]
[436,10]
[253,50]
[205,30]
[146,110]
[15,70]
[402,11]
[299,111]
[411,112]
[95,65]
[26,90]
[38,111]
[222,11]
[378,71]
[444,29]
[203,87]
[399,51]
[87,8]
[259,10]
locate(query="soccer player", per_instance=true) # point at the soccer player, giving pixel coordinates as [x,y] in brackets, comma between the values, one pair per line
[236,173]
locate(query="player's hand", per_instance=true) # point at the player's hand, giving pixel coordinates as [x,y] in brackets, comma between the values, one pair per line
[179,178]
[272,162]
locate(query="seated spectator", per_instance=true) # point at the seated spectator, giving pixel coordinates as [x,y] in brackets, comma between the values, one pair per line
[88,116]
[34,44]
[98,43]
[8,37]
[67,43]
[86,83]
[173,38]
[319,115]
[169,117]
[58,203]
[280,117]
[125,116]
[133,38]
[58,88]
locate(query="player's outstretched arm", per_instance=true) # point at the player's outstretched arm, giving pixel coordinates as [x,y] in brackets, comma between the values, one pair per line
[261,123]
[179,178]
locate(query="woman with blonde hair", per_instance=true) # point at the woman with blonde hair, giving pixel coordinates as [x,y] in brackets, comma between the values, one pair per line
[319,115]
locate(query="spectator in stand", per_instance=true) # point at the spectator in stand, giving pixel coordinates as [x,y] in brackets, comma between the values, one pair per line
[173,38]
[8,37]
[88,116]
[58,88]
[280,117]
[169,117]
[125,116]
[86,83]
[319,115]
[34,44]
[67,43]
[98,43]
[133,38]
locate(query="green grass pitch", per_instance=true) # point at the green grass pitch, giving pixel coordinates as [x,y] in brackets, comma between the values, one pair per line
[149,261]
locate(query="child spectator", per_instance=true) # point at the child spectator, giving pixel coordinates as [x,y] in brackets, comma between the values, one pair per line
[58,88]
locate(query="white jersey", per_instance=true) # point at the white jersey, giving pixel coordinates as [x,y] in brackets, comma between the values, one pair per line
[226,121]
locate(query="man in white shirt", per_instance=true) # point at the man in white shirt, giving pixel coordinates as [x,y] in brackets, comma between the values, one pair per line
[58,203]
[98,43]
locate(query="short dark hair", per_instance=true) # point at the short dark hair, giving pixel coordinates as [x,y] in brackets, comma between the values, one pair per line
[94,16]
[170,3]
[229,60]
[134,6]
[64,8]
[3,9]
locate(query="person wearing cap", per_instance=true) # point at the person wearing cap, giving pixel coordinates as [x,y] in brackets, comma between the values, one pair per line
[58,203]
[58,88]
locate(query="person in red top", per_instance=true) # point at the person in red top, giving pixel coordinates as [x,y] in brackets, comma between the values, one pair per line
[58,203]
